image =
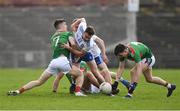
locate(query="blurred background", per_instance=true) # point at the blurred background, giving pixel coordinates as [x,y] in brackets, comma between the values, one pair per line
[26,27]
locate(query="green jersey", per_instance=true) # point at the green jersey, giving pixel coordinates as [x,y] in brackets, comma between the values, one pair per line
[56,40]
[137,52]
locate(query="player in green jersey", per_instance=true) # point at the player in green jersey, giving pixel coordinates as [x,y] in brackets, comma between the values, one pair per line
[59,64]
[144,60]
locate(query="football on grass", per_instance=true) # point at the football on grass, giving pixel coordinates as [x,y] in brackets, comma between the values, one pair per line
[105,88]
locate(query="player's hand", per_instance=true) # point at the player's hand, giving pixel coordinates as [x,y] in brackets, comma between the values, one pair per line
[105,59]
[66,46]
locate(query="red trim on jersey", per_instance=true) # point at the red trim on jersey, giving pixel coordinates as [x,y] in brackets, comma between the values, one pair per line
[131,49]
[141,55]
[82,69]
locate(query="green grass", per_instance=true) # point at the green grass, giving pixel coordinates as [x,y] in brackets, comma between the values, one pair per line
[147,96]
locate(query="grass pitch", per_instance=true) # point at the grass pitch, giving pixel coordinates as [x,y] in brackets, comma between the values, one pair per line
[147,96]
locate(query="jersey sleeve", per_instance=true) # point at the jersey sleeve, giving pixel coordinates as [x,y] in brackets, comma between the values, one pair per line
[82,27]
[78,35]
[70,34]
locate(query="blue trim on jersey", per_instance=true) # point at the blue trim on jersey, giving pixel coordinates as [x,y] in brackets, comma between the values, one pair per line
[99,59]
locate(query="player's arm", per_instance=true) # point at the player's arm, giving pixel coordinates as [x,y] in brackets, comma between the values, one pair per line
[120,70]
[101,45]
[80,21]
[138,67]
[72,42]
[73,50]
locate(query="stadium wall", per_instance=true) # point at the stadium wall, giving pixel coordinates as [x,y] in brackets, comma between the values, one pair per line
[25,31]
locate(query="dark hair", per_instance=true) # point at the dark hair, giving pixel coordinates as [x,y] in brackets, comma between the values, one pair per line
[90,30]
[119,49]
[57,22]
[74,20]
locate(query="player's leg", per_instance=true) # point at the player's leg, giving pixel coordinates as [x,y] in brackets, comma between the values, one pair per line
[153,79]
[147,71]
[64,66]
[93,67]
[52,69]
[56,82]
[42,79]
[90,84]
[103,69]
[58,78]
[134,82]
[86,84]
[89,59]
[92,79]
[157,80]
[105,72]
[72,82]
[79,78]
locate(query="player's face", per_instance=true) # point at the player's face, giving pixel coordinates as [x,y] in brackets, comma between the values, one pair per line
[76,27]
[124,53]
[86,37]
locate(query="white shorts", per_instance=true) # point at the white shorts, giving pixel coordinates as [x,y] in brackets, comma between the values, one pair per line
[60,64]
[149,61]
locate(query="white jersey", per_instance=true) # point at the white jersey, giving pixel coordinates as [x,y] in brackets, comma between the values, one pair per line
[95,50]
[78,37]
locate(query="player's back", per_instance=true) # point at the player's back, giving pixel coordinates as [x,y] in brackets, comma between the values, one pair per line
[141,48]
[57,40]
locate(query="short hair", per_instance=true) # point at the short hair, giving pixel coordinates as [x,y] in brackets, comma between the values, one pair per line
[119,49]
[57,22]
[90,30]
[74,20]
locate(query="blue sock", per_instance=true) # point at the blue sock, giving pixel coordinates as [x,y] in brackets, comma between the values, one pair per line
[125,83]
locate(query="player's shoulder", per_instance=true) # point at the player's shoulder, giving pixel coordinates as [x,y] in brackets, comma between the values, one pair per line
[94,37]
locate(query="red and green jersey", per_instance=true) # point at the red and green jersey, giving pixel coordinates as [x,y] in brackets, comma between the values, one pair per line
[137,52]
[56,40]
[83,66]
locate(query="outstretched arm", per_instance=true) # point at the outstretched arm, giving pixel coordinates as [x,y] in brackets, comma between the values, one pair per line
[75,25]
[120,70]
[101,45]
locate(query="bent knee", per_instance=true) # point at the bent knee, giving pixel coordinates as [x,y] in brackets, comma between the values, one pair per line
[149,80]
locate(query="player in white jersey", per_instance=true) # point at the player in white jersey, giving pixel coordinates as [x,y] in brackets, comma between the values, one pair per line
[89,45]
[84,42]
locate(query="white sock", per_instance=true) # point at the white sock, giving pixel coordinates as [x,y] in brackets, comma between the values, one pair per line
[129,94]
[169,85]
[17,91]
